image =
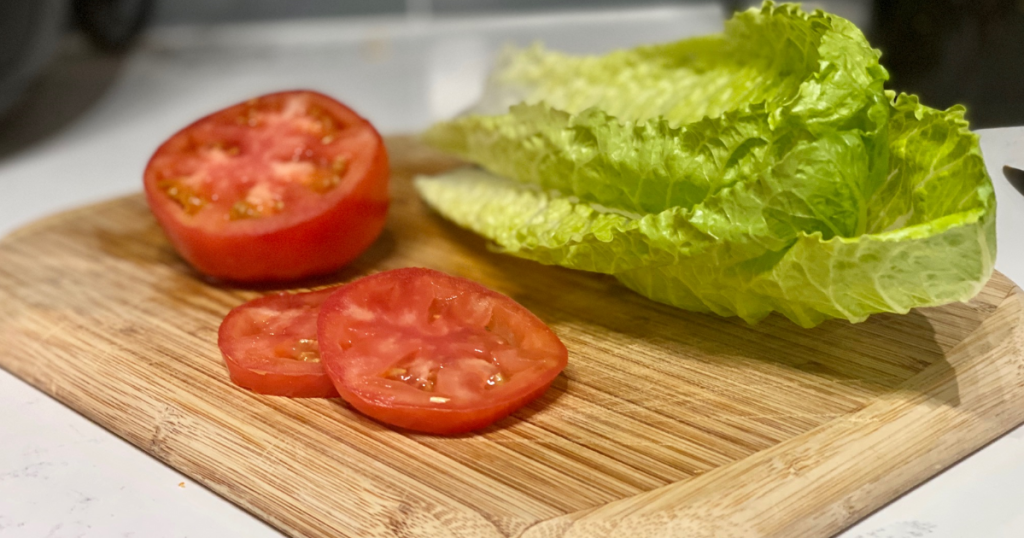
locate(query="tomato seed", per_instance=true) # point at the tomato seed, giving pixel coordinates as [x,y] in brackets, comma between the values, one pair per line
[307,350]
[340,165]
[423,378]
[243,210]
[323,181]
[188,199]
[308,356]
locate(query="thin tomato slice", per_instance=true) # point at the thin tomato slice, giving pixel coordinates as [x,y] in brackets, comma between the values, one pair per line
[430,352]
[270,345]
[283,186]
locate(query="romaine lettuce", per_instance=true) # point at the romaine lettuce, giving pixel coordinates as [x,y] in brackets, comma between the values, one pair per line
[764,169]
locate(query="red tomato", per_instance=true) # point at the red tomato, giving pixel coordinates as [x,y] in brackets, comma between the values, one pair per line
[279,187]
[430,352]
[270,347]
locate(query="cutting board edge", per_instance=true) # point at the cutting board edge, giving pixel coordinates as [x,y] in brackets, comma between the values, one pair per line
[681,509]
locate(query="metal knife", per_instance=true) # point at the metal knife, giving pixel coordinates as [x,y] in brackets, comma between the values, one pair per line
[1015,176]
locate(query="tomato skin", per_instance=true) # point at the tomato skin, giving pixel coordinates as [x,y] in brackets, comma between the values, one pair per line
[360,353]
[254,338]
[440,421]
[291,385]
[317,242]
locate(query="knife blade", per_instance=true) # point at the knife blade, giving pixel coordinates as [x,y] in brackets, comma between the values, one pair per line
[1015,176]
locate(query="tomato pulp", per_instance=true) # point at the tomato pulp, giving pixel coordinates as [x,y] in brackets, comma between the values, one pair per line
[279,187]
[270,346]
[430,352]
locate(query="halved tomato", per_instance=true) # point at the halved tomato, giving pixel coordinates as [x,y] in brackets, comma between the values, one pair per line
[283,186]
[435,353]
[270,346]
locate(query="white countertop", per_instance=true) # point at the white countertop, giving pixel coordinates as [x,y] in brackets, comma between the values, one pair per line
[63,476]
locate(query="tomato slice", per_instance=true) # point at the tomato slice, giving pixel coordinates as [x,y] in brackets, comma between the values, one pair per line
[430,352]
[279,187]
[270,345]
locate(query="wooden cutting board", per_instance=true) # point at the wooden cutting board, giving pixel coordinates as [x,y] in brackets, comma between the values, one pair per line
[666,423]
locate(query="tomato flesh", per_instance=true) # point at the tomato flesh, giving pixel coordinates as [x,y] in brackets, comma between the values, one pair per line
[430,352]
[270,345]
[283,186]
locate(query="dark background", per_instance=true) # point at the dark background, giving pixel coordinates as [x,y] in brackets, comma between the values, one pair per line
[969,52]
[956,51]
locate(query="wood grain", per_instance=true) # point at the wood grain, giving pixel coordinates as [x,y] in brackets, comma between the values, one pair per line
[666,423]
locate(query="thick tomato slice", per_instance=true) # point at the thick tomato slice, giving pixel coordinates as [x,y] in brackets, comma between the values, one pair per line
[279,187]
[270,346]
[430,352]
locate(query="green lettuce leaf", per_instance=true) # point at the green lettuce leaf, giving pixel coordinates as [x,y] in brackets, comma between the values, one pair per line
[670,125]
[796,186]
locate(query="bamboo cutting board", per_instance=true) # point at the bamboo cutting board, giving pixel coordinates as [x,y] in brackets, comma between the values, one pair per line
[666,423]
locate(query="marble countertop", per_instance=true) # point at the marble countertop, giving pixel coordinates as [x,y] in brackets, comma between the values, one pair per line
[88,126]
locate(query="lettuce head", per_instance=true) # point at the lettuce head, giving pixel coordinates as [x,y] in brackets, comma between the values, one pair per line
[764,169]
